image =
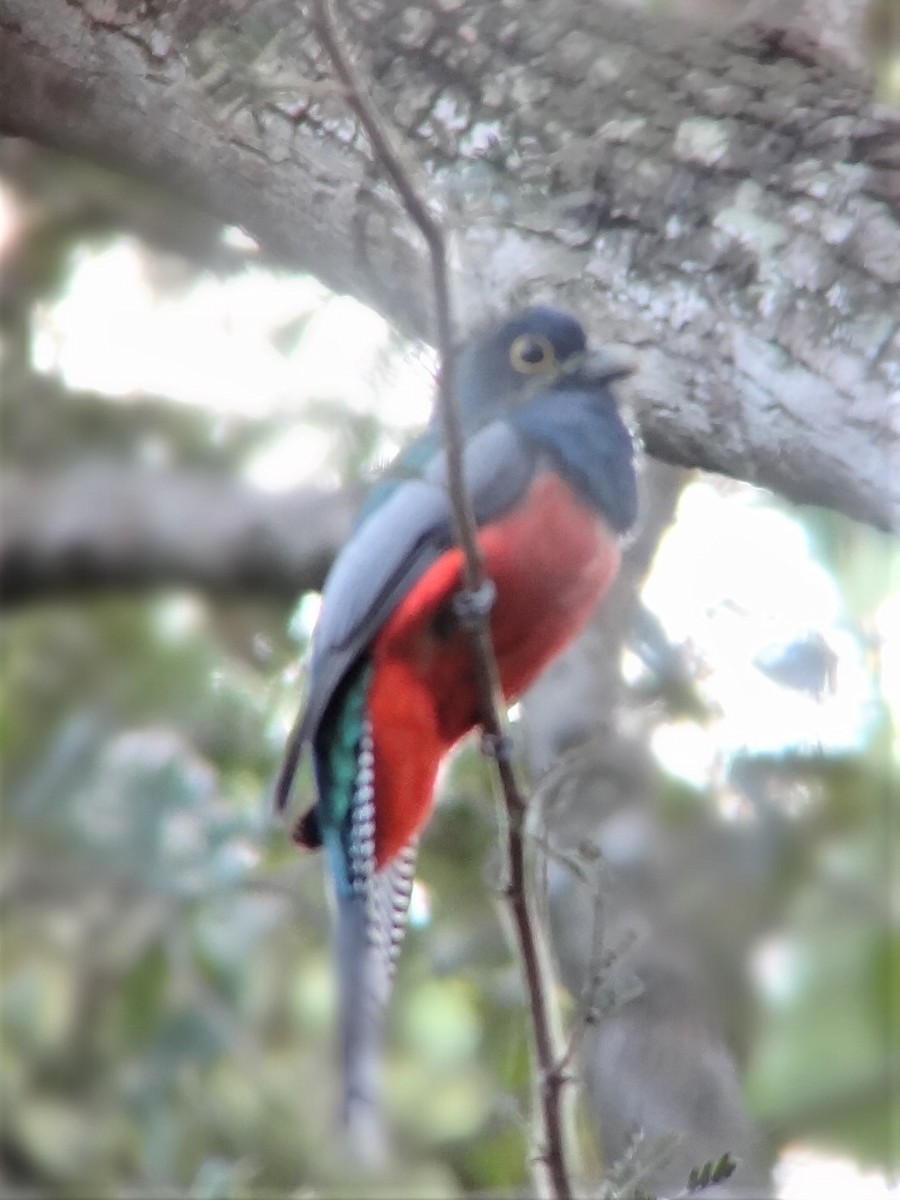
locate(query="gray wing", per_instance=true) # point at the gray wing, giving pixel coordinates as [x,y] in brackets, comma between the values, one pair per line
[389,552]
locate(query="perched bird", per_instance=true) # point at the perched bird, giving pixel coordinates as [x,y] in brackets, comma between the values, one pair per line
[549,466]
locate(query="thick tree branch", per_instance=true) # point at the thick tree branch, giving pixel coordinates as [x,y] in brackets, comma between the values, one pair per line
[104,525]
[725,205]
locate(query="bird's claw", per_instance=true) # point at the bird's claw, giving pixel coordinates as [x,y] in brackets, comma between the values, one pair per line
[472,606]
[497,745]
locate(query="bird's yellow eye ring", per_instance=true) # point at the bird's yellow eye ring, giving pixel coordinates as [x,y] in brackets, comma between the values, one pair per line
[531,353]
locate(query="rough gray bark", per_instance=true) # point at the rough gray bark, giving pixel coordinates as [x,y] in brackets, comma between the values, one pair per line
[103,525]
[656,1060]
[724,205]
[661,1056]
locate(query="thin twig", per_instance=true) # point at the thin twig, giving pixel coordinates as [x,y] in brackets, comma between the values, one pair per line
[552,1142]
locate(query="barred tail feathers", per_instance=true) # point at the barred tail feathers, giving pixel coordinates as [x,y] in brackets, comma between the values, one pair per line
[371,921]
[370,930]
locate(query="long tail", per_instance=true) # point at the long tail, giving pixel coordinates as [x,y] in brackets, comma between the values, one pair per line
[370,928]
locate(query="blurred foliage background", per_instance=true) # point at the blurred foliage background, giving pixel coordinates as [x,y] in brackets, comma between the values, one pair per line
[167,1009]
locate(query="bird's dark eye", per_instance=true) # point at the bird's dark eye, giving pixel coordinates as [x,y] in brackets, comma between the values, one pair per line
[531,353]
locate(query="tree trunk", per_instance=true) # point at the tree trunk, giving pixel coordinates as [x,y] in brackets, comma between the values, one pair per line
[655,1057]
[724,205]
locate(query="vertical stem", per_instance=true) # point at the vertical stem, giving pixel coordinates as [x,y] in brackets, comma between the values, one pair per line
[551,1077]
[554,1149]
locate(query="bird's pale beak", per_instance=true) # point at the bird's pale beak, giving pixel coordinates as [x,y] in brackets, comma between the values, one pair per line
[604,366]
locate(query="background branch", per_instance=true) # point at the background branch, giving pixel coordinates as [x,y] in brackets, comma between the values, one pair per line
[106,525]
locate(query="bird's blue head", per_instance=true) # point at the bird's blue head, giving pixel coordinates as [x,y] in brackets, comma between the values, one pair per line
[532,351]
[536,371]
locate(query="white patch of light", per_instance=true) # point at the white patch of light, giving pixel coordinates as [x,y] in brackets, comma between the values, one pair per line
[282,715]
[238,856]
[419,905]
[482,136]
[514,712]
[633,668]
[293,456]
[216,343]
[775,967]
[9,219]
[210,344]
[304,617]
[730,549]
[887,633]
[733,578]
[292,673]
[450,112]
[685,750]
[340,351]
[807,1173]
[233,235]
[178,617]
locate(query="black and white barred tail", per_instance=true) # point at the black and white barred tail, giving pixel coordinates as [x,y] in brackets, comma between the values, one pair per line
[370,928]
